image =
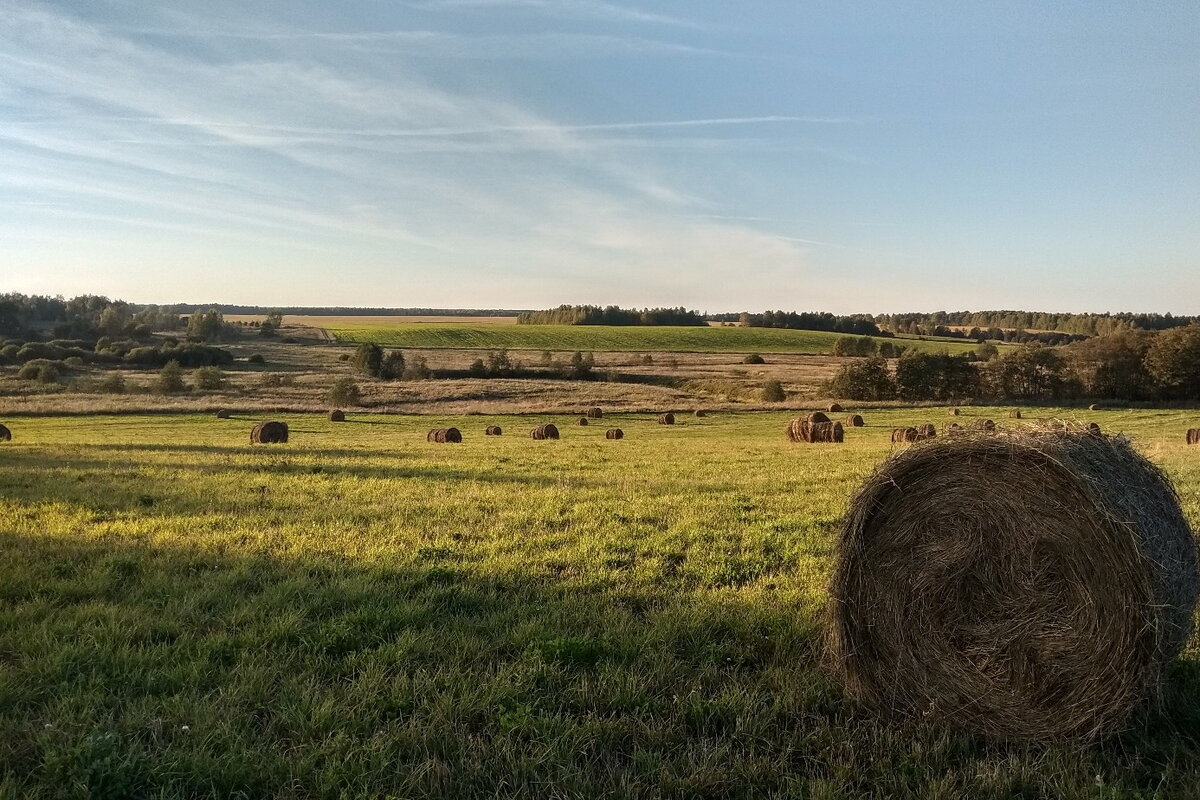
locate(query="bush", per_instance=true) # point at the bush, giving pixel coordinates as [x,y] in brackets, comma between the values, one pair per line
[344,357]
[208,378]
[113,384]
[477,369]
[417,370]
[28,372]
[9,353]
[754,358]
[647,359]
[257,358]
[863,346]
[271,380]
[392,366]
[170,378]
[73,361]
[863,380]
[345,392]
[368,359]
[772,392]
[47,373]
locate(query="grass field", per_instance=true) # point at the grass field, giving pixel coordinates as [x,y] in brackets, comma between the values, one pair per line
[607,338]
[359,613]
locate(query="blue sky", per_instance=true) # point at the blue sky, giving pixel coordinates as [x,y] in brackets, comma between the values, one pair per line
[524,153]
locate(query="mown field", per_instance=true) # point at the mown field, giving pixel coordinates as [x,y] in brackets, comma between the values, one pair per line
[607,338]
[359,613]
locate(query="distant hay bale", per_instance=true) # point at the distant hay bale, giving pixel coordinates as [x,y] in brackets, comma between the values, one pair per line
[1193,436]
[855,421]
[954,412]
[595,413]
[224,413]
[926,431]
[581,421]
[700,412]
[904,435]
[614,433]
[834,408]
[802,429]
[816,416]
[444,436]
[1093,429]
[337,415]
[1015,413]
[1024,585]
[492,430]
[6,434]
[666,419]
[546,431]
[269,433]
[1094,407]
[985,425]
[953,429]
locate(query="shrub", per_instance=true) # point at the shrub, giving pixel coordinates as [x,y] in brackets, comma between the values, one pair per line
[257,358]
[274,379]
[170,378]
[47,373]
[754,358]
[477,369]
[208,378]
[772,392]
[28,372]
[368,359]
[854,346]
[345,392]
[73,361]
[9,352]
[113,384]
[417,370]
[392,366]
[863,380]
[344,357]
[647,359]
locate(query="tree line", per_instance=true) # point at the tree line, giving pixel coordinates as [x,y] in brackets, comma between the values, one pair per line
[1130,365]
[612,315]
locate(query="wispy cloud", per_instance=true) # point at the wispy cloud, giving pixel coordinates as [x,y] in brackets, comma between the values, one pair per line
[588,9]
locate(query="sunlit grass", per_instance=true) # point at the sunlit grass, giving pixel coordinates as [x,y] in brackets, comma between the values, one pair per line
[362,613]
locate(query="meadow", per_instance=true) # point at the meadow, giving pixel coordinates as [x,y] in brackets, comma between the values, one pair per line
[360,613]
[608,338]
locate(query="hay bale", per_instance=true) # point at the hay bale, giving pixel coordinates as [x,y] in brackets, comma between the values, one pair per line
[1015,413]
[444,436]
[953,429]
[954,412]
[802,429]
[614,433]
[1021,585]
[337,415]
[816,416]
[1193,436]
[1094,407]
[224,413]
[1093,429]
[594,413]
[546,431]
[6,434]
[855,421]
[985,425]
[904,435]
[926,431]
[666,419]
[700,412]
[834,408]
[492,430]
[581,421]
[270,432]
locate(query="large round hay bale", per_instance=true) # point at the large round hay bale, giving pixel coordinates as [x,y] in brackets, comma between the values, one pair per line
[1193,436]
[834,408]
[1020,585]
[855,421]
[816,416]
[700,412]
[953,429]
[802,429]
[985,425]
[224,413]
[614,433]
[582,421]
[492,430]
[595,413]
[926,431]
[270,432]
[1093,428]
[444,436]
[666,419]
[1015,413]
[337,415]
[546,431]
[954,412]
[5,434]
[1094,407]
[904,435]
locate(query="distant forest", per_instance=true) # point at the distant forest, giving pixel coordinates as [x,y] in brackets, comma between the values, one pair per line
[612,315]
[344,311]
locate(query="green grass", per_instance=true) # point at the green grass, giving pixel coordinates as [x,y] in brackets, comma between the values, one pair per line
[610,338]
[359,613]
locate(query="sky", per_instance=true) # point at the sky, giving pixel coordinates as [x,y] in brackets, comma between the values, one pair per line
[846,157]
